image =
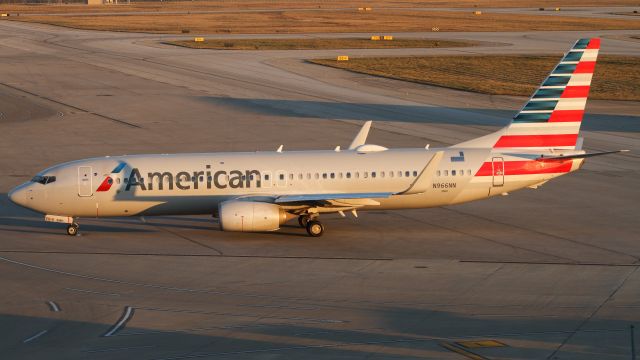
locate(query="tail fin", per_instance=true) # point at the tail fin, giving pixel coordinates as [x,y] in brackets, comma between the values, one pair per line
[551,118]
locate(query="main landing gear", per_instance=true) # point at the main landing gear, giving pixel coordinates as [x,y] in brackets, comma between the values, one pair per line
[72,229]
[313,226]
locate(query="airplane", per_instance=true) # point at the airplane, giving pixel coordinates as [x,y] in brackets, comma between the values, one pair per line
[260,191]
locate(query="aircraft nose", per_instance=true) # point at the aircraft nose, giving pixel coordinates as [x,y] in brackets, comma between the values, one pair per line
[18,195]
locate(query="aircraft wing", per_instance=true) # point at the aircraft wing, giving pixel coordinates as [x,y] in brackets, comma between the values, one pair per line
[356,199]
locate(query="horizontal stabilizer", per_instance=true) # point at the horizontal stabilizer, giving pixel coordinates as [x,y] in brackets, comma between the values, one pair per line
[579,156]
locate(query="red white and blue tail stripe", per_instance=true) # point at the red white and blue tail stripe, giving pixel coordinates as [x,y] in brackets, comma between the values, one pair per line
[551,118]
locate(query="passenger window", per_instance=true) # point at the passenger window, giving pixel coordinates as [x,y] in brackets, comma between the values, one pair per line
[308,176]
[348,175]
[399,173]
[469,172]
[333,175]
[390,173]
[281,176]
[407,174]
[317,176]
[324,175]
[373,174]
[340,175]
[446,173]
[266,176]
[300,176]
[453,173]
[438,173]
[366,174]
[415,173]
[381,173]
[357,175]
[291,176]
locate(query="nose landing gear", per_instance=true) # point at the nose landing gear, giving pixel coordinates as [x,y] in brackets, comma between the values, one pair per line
[72,225]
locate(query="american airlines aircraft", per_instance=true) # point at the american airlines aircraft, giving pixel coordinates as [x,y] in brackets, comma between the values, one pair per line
[259,191]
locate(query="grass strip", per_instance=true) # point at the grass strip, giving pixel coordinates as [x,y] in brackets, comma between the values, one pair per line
[316,44]
[329,21]
[615,78]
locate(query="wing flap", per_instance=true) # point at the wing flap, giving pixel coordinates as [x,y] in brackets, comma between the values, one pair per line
[350,198]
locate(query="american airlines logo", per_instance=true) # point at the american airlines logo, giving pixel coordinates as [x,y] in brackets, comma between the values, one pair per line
[185,180]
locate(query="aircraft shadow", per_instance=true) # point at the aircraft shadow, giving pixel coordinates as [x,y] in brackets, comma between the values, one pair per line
[408,113]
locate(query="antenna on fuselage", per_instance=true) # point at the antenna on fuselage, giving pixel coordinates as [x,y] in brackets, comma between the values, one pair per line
[280,148]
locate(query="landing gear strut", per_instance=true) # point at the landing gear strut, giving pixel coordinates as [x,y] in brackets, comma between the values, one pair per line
[303,220]
[72,229]
[315,228]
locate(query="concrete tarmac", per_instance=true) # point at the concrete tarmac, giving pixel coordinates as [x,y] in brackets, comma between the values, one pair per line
[549,273]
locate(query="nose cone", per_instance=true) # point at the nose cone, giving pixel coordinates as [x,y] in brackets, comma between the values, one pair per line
[18,195]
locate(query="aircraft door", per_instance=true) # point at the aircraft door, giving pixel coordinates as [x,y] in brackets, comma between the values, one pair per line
[85,182]
[497,166]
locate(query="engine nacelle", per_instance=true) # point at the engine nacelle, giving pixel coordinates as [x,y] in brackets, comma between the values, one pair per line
[237,215]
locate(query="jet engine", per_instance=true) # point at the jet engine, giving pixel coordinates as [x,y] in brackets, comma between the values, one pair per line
[237,215]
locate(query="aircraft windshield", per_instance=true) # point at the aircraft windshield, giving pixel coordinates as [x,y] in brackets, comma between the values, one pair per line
[43,179]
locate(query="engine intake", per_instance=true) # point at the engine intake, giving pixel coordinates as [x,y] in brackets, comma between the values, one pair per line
[237,215]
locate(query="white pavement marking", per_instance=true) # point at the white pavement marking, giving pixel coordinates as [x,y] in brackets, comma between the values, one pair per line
[34,336]
[53,306]
[126,316]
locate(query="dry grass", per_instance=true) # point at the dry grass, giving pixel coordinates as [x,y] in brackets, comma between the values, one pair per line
[616,77]
[314,44]
[301,4]
[331,21]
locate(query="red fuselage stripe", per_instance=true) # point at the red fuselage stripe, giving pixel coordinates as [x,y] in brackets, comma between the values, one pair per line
[528,167]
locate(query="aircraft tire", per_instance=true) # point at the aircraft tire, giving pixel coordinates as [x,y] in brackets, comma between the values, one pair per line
[315,228]
[72,229]
[303,220]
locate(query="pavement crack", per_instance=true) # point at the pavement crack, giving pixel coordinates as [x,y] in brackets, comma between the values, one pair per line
[595,311]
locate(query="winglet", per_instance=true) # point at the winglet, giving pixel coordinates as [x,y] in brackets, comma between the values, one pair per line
[361,138]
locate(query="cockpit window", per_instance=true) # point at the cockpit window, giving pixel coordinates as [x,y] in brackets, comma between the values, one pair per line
[43,179]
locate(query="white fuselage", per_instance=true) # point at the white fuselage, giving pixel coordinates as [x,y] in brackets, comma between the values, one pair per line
[196,183]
